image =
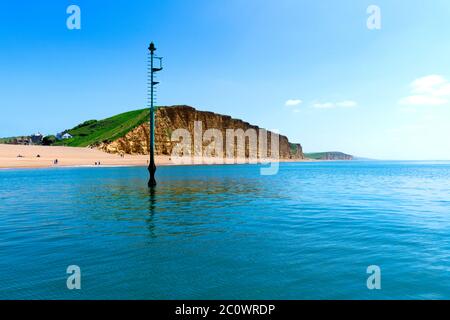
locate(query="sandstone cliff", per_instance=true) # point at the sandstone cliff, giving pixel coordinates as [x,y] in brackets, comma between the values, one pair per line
[171,118]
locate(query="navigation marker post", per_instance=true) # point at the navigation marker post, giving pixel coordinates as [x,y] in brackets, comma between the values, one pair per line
[152,83]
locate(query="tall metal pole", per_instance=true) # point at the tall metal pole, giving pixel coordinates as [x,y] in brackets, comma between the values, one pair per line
[152,165]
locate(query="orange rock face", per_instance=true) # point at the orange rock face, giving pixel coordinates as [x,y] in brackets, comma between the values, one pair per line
[169,119]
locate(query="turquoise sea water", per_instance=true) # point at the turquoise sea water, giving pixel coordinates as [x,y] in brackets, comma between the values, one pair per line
[213,232]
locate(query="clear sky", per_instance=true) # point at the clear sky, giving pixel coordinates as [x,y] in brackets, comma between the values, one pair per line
[311,69]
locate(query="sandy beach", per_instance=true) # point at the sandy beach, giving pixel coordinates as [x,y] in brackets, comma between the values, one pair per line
[20,156]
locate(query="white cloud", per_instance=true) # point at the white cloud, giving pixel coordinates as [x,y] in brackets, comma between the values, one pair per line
[331,105]
[293,102]
[347,104]
[326,105]
[430,90]
[428,84]
[423,100]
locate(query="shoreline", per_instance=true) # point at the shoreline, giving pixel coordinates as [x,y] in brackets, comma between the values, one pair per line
[35,157]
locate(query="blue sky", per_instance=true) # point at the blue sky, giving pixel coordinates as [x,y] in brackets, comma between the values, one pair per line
[374,93]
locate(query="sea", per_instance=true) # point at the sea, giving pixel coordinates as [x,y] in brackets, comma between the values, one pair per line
[314,230]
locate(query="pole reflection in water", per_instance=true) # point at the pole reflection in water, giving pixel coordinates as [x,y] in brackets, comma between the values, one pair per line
[151,212]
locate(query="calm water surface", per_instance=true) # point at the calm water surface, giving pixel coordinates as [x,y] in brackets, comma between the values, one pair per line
[212,232]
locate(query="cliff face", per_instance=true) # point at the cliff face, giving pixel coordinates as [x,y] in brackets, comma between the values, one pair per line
[168,119]
[338,156]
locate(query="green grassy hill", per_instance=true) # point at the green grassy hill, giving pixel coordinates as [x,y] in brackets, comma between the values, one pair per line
[331,155]
[92,132]
[316,155]
[5,140]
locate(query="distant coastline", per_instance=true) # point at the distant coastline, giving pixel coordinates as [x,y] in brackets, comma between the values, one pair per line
[329,155]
